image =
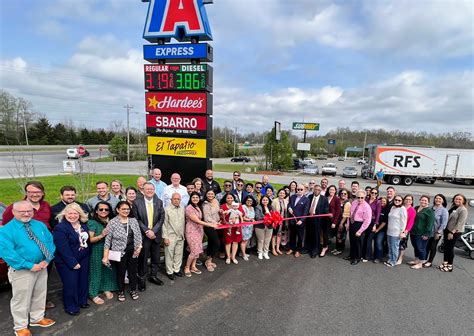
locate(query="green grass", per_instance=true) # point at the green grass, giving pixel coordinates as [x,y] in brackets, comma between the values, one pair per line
[10,190]
[228,167]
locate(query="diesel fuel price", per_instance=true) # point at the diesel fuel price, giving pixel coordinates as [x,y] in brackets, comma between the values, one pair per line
[172,77]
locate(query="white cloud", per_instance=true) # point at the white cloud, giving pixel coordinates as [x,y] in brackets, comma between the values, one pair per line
[437,29]
[409,101]
[52,28]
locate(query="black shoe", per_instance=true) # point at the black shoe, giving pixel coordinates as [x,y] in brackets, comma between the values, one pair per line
[171,276]
[355,262]
[312,256]
[347,258]
[141,284]
[304,251]
[179,274]
[85,305]
[73,313]
[155,280]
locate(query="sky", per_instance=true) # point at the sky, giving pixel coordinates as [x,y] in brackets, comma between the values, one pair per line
[396,65]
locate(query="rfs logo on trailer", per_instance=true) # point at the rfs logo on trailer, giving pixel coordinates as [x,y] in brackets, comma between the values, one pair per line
[177,19]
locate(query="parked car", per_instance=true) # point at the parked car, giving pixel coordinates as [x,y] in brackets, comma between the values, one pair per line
[298,164]
[311,169]
[240,159]
[308,161]
[3,264]
[349,171]
[329,169]
[73,154]
[361,161]
[322,157]
[341,158]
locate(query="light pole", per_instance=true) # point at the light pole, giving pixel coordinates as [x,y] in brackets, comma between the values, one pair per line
[128,130]
[235,139]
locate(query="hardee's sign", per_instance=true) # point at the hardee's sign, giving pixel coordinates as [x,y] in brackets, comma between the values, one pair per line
[170,146]
[178,102]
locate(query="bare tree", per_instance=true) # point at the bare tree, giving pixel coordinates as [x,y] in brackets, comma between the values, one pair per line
[84,178]
[23,169]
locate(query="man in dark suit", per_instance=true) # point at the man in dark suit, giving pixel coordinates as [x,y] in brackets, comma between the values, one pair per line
[298,205]
[68,196]
[150,214]
[239,191]
[318,205]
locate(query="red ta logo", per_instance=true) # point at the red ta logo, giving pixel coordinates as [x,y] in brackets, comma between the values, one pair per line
[179,19]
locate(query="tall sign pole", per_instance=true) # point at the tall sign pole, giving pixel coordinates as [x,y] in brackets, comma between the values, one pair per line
[179,87]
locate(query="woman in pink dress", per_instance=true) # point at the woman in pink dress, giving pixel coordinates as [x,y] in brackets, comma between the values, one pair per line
[194,233]
[233,239]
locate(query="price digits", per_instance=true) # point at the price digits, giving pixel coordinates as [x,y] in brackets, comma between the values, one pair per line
[175,81]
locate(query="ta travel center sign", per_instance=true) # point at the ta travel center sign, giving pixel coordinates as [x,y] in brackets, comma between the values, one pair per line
[178,84]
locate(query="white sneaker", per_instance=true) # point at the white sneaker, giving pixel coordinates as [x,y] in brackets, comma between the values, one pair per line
[265,255]
[260,255]
[245,257]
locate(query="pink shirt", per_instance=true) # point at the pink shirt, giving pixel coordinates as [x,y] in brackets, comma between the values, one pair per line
[411,214]
[361,212]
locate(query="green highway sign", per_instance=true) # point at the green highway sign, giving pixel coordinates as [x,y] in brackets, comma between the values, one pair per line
[305,126]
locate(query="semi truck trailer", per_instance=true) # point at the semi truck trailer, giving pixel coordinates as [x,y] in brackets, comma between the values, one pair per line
[405,164]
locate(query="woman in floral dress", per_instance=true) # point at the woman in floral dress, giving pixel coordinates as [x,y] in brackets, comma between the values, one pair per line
[101,278]
[194,232]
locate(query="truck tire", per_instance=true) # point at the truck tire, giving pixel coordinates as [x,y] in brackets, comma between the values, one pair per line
[408,180]
[467,182]
[432,181]
[396,180]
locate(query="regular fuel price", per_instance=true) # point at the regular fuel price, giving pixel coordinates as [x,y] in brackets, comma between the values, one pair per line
[177,77]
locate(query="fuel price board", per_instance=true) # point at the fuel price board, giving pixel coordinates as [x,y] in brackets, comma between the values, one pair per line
[179,77]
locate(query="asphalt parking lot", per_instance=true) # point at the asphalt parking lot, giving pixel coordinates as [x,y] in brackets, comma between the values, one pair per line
[286,296]
[283,296]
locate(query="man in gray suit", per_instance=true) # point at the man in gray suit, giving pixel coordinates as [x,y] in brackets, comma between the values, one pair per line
[150,214]
[173,236]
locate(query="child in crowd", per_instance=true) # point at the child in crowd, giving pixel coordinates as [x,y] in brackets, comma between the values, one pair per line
[235,217]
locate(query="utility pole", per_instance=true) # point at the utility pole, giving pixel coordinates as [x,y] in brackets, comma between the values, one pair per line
[24,126]
[235,139]
[128,130]
[363,148]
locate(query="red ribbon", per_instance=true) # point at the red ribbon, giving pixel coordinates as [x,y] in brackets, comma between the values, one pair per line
[274,219]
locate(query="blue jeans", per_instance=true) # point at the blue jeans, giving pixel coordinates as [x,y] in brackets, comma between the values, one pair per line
[379,236]
[367,244]
[393,245]
[419,245]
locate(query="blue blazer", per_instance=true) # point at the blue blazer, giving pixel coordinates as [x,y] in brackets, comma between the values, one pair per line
[68,248]
[244,194]
[299,209]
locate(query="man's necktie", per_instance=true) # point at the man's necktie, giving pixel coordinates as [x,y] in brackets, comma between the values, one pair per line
[149,212]
[38,242]
[313,205]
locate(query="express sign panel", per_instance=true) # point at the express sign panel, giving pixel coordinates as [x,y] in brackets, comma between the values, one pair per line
[178,125]
[178,77]
[305,126]
[179,19]
[178,52]
[178,102]
[171,146]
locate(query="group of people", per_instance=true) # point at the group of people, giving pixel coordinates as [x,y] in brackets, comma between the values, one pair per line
[102,244]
